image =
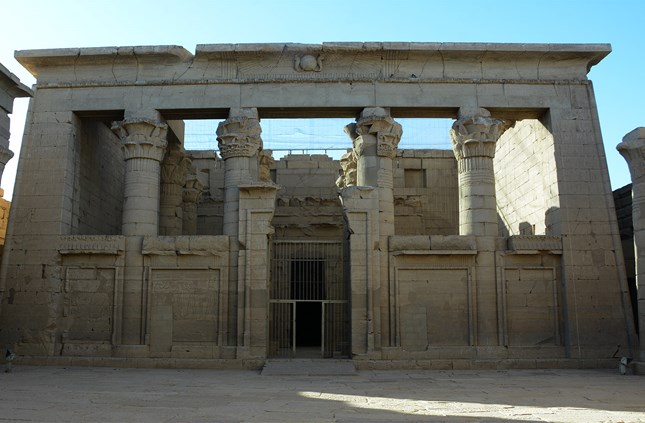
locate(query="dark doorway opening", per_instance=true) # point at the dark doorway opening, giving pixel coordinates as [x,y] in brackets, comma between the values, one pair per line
[308,328]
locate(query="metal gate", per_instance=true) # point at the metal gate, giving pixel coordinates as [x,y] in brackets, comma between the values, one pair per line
[308,300]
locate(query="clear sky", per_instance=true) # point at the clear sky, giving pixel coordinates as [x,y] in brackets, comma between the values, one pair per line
[618,79]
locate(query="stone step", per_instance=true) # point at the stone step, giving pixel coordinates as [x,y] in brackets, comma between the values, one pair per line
[308,367]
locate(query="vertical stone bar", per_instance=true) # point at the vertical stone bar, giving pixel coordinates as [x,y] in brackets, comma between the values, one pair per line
[375,137]
[144,144]
[192,191]
[173,178]
[633,150]
[474,136]
[239,143]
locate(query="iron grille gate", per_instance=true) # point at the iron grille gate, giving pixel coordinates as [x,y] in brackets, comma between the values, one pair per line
[308,300]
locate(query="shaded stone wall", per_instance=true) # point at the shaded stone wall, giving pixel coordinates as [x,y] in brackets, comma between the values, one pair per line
[525,180]
[98,201]
[426,197]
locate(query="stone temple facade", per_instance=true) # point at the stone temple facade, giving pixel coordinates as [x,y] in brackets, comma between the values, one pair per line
[125,248]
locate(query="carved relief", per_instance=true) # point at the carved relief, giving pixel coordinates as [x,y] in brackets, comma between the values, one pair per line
[91,244]
[308,63]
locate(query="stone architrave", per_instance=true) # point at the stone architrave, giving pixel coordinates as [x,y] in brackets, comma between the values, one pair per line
[191,192]
[633,150]
[174,169]
[474,136]
[144,144]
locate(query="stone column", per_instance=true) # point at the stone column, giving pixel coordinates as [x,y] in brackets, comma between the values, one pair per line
[144,145]
[173,178]
[474,136]
[375,137]
[239,143]
[633,150]
[192,191]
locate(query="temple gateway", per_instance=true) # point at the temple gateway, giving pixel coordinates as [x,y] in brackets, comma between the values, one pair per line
[126,248]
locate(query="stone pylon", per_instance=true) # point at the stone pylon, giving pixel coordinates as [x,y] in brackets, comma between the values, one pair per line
[633,150]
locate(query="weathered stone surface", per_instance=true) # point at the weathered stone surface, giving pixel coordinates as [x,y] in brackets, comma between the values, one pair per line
[500,253]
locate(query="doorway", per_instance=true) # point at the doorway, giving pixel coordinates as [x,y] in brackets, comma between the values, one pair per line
[308,301]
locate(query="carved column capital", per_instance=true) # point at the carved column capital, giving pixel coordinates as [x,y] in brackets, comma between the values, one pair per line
[175,167]
[142,138]
[633,151]
[475,133]
[377,122]
[192,189]
[239,135]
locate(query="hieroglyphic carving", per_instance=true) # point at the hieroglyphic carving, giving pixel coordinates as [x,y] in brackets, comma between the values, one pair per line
[91,244]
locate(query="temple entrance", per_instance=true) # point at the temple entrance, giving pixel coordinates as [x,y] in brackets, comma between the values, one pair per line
[308,305]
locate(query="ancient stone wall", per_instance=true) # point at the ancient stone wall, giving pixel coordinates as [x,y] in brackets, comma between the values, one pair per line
[98,201]
[426,196]
[307,204]
[526,180]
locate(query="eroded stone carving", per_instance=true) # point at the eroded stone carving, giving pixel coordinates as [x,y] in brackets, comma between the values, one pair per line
[308,63]
[265,161]
[375,121]
[348,168]
[239,136]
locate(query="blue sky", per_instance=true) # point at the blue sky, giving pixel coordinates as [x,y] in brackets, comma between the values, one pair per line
[620,91]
